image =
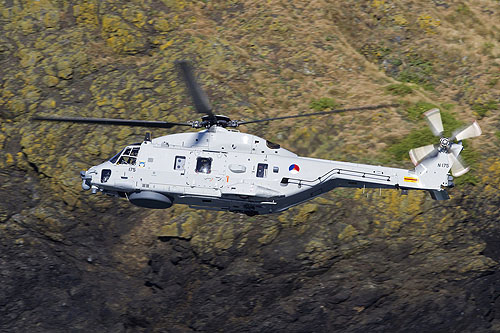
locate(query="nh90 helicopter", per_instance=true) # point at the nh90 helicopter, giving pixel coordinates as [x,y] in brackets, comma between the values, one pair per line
[220,168]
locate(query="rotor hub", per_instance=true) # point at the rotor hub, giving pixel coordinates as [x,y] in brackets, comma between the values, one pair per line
[218,120]
[444,144]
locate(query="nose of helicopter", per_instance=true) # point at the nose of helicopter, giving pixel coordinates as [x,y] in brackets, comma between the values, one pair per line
[86,180]
[95,175]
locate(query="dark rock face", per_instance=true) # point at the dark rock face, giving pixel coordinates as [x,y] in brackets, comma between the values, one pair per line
[52,286]
[351,261]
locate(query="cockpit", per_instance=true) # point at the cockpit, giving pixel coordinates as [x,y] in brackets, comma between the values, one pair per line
[127,156]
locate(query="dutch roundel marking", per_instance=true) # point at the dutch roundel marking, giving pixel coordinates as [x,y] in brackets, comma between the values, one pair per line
[294,168]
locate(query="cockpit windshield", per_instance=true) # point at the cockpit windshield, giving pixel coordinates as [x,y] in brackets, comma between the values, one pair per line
[127,156]
[115,158]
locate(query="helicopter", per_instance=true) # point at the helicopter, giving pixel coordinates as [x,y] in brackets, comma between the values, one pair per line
[221,168]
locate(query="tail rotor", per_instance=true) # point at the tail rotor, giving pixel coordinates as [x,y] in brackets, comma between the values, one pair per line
[446,145]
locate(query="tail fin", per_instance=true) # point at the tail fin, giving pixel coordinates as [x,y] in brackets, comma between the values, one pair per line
[434,169]
[433,173]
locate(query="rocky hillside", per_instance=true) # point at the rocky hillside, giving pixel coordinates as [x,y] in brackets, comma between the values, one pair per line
[350,261]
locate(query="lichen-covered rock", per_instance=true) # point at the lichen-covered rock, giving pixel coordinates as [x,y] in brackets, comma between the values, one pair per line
[64,69]
[51,18]
[86,13]
[29,58]
[50,81]
[122,37]
[183,230]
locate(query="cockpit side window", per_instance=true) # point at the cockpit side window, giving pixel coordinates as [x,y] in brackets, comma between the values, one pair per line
[135,151]
[127,160]
[129,156]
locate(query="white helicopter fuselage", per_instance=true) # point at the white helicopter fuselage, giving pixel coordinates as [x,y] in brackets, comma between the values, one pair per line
[221,169]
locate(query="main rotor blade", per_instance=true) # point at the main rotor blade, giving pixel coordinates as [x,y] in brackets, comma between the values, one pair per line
[433,118]
[421,153]
[457,165]
[470,131]
[369,107]
[120,122]
[200,99]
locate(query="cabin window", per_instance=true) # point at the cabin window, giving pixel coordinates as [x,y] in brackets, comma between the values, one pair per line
[262,170]
[203,164]
[180,163]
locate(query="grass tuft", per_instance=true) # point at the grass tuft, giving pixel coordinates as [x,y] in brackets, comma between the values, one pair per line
[324,103]
[482,108]
[415,111]
[399,89]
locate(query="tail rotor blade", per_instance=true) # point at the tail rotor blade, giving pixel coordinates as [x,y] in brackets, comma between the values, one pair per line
[458,167]
[420,153]
[433,118]
[468,132]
